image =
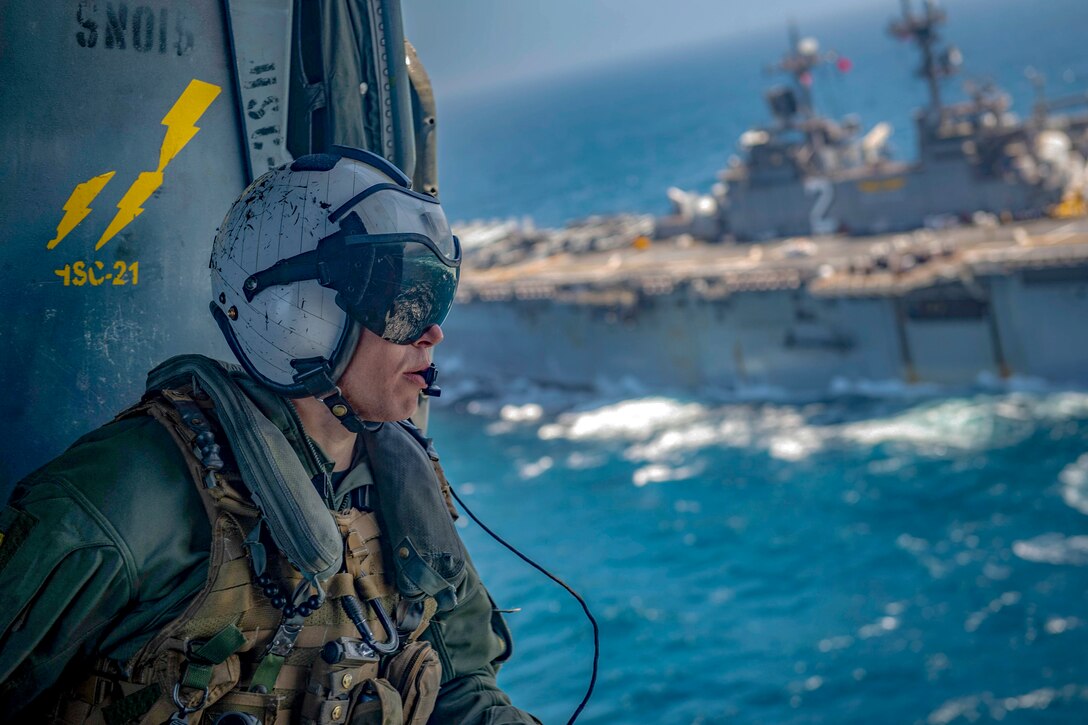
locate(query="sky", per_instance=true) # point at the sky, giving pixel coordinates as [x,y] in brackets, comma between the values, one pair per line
[468,45]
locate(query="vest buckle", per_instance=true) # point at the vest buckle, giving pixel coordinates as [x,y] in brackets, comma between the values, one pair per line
[181,717]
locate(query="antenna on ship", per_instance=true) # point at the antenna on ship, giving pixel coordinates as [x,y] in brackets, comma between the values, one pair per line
[922,29]
[1038,85]
[792,105]
[802,58]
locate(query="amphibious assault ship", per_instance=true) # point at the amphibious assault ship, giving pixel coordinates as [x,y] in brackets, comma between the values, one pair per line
[819,263]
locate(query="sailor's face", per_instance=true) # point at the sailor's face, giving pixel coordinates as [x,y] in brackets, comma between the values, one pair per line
[383,380]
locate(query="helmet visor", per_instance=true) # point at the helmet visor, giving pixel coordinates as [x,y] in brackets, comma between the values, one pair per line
[409,288]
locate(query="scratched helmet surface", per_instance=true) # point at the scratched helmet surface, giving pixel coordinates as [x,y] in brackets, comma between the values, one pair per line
[284,214]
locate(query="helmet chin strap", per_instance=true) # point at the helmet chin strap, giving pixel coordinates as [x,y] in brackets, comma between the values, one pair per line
[313,374]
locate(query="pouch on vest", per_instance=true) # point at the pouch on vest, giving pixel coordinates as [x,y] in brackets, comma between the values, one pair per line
[428,555]
[416,673]
[377,703]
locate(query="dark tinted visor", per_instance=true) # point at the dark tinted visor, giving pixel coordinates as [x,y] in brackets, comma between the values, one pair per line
[411,285]
[396,285]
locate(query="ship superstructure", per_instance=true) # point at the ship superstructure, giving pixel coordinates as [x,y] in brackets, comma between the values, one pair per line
[806,174]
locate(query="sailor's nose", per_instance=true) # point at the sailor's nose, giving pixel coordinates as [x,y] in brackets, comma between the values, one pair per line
[430,337]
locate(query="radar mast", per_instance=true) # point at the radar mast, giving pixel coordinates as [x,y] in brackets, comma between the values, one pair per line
[937,63]
[802,58]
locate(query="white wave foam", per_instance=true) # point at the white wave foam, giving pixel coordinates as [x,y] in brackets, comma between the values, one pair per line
[580,460]
[658,473]
[782,432]
[1054,548]
[461,384]
[966,707]
[834,643]
[1074,480]
[665,430]
[1063,405]
[971,708]
[797,445]
[933,429]
[881,388]
[629,420]
[975,619]
[527,413]
[967,424]
[1058,625]
[879,628]
[661,429]
[694,437]
[535,468]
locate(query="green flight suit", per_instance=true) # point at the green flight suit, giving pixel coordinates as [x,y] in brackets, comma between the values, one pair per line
[107,543]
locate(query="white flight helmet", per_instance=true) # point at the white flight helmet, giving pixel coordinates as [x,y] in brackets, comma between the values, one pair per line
[315,250]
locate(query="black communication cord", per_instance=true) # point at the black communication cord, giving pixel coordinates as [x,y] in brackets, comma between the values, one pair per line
[560,582]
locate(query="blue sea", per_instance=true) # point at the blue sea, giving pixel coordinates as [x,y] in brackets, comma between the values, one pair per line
[908,557]
[899,560]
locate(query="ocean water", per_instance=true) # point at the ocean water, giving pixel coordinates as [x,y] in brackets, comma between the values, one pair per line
[903,558]
[900,559]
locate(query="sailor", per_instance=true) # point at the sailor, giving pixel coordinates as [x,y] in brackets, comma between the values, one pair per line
[269,543]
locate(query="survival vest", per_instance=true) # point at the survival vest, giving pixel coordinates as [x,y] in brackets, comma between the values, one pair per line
[256,645]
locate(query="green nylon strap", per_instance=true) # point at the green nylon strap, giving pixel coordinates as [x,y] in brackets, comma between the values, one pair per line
[131,707]
[198,673]
[197,676]
[267,672]
[220,647]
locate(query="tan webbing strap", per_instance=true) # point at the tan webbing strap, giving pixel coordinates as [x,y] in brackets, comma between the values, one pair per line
[316,637]
[430,606]
[340,585]
[293,677]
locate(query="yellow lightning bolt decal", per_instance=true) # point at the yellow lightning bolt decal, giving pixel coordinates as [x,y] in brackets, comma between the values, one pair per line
[77,207]
[180,125]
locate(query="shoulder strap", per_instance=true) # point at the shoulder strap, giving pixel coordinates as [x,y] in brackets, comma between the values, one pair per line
[300,523]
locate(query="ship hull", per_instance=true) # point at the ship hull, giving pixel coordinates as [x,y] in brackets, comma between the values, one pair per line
[989,310]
